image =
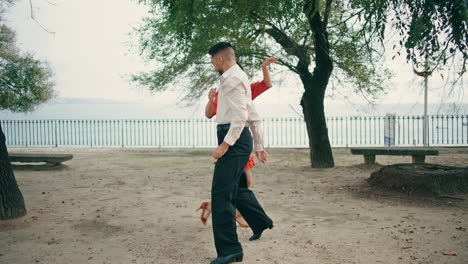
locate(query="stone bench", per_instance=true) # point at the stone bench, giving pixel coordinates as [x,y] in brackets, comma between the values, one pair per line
[418,155]
[50,159]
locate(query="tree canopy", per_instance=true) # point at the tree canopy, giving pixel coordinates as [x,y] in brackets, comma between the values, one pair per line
[429,30]
[177,35]
[25,82]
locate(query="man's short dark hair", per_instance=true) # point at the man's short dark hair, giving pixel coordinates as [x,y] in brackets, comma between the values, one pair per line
[219,47]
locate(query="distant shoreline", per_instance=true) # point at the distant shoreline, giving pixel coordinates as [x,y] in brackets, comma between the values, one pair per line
[104,109]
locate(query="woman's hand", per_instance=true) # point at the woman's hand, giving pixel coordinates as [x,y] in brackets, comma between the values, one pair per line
[269,61]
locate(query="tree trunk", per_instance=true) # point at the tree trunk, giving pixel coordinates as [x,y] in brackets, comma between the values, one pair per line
[315,85]
[314,116]
[11,200]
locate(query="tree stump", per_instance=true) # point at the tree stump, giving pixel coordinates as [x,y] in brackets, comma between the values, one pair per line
[427,178]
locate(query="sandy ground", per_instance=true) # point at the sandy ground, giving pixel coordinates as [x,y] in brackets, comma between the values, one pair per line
[138,206]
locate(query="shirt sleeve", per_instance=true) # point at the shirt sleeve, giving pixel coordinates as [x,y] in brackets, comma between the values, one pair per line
[235,92]
[257,134]
[258,88]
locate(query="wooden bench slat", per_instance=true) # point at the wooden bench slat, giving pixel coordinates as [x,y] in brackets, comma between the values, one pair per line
[394,151]
[418,155]
[39,157]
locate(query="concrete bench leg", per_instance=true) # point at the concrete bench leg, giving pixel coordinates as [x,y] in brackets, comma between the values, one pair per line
[418,158]
[369,159]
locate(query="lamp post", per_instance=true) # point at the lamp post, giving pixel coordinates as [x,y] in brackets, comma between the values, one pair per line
[426,120]
[425,74]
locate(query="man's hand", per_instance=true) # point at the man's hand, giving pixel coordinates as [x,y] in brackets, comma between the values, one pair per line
[262,156]
[212,94]
[220,150]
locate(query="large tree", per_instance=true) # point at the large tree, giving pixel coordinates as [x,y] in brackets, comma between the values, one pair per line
[322,41]
[24,83]
[309,38]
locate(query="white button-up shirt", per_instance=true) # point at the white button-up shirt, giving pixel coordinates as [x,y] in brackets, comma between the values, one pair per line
[235,107]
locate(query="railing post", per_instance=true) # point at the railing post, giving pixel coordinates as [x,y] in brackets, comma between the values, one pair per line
[192,128]
[55,132]
[346,129]
[27,132]
[121,133]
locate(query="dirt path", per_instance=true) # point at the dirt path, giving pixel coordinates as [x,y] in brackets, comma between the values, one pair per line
[138,206]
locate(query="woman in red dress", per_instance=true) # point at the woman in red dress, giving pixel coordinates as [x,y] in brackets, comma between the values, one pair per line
[210,111]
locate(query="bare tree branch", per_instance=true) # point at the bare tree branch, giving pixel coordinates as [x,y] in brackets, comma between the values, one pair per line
[54,4]
[33,17]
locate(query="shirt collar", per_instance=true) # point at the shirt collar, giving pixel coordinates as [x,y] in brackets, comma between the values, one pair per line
[229,72]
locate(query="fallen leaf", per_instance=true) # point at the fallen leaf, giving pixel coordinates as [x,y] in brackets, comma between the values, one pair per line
[448,253]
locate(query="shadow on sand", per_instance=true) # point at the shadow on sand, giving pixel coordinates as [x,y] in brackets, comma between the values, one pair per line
[39,167]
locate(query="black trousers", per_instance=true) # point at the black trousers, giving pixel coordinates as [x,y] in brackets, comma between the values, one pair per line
[229,191]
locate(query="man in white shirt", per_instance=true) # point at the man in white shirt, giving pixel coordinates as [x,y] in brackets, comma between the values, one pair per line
[235,114]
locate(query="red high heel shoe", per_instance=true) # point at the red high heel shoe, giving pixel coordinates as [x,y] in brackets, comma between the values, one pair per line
[206,211]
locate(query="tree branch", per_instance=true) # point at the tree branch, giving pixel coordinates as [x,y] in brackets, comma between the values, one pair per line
[33,17]
[15,90]
[322,46]
[50,3]
[347,19]
[290,46]
[327,14]
[307,35]
[280,61]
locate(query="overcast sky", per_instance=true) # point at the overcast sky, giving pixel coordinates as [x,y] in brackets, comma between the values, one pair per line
[90,55]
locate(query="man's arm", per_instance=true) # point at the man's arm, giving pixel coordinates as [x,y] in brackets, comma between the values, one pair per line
[256,128]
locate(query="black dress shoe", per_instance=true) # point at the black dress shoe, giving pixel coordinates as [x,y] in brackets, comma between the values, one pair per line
[237,257]
[259,234]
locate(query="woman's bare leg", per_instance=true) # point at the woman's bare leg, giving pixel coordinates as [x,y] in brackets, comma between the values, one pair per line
[248,174]
[241,220]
